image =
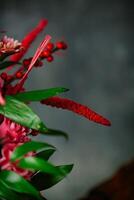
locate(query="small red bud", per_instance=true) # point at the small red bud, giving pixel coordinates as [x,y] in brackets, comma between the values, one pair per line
[64,46]
[19,75]
[3,75]
[34,132]
[50,46]
[46,53]
[50,59]
[38,64]
[26,62]
[9,78]
[61,45]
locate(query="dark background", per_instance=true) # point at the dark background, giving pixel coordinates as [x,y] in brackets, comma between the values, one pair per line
[98,68]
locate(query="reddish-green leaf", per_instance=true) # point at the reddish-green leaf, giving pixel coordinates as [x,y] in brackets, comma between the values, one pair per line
[22,114]
[39,95]
[28,147]
[44,181]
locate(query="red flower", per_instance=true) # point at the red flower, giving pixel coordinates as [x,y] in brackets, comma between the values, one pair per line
[13,132]
[75,107]
[6,164]
[9,45]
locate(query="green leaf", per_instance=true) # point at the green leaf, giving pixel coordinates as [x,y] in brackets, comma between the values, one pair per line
[44,181]
[46,154]
[18,184]
[6,64]
[53,132]
[5,55]
[37,164]
[7,193]
[28,147]
[21,114]
[39,95]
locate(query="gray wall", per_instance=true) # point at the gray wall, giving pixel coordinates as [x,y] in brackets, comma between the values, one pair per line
[98,68]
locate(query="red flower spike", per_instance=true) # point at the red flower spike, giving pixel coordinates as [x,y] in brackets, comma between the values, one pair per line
[75,107]
[29,38]
[50,58]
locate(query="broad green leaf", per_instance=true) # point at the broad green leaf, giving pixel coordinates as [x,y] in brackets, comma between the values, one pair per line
[6,64]
[19,184]
[53,132]
[39,95]
[28,147]
[46,154]
[38,164]
[21,114]
[44,181]
[7,193]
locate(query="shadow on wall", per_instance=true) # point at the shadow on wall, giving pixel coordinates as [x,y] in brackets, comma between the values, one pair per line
[119,187]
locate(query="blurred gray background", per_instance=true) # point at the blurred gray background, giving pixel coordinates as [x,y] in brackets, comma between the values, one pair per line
[98,67]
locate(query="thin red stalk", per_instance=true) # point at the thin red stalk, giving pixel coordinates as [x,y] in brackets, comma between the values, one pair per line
[34,59]
[75,107]
[28,39]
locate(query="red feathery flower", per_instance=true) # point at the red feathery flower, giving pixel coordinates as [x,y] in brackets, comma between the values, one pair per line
[75,107]
[6,164]
[29,38]
[12,132]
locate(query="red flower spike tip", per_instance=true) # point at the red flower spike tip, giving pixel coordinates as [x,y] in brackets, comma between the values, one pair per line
[75,107]
[29,38]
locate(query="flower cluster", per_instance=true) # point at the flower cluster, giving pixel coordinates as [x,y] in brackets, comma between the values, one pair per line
[16,131]
[9,45]
[13,134]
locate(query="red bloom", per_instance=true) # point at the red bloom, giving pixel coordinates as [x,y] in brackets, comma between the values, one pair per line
[29,38]
[6,164]
[9,45]
[13,132]
[75,107]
